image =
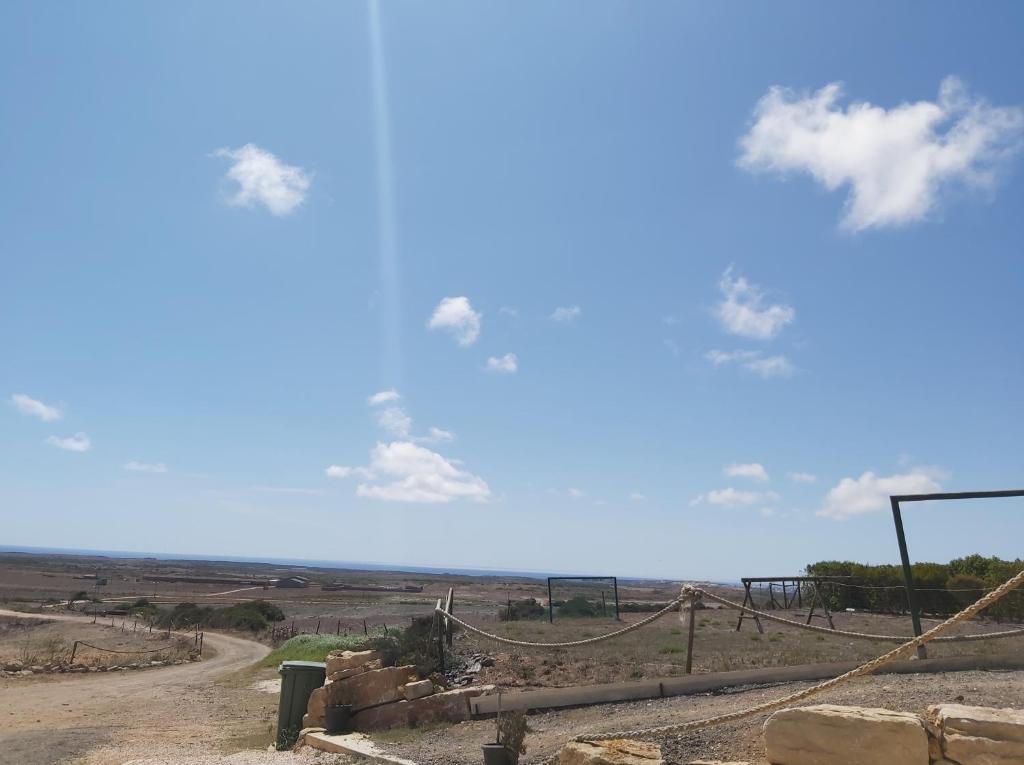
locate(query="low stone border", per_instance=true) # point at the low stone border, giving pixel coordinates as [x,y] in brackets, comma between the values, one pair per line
[16,669]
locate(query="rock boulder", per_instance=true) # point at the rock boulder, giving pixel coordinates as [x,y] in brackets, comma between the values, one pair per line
[845,736]
[613,752]
[979,735]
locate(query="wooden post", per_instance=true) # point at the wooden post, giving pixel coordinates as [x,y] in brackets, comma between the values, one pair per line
[448,608]
[748,599]
[74,648]
[689,635]
[317,627]
[440,635]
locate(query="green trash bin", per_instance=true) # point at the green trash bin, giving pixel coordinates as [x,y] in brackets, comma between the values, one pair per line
[298,680]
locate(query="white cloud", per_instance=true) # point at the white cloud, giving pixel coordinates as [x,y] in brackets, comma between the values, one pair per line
[31,406]
[770,367]
[870,493]
[742,310]
[383,397]
[567,314]
[264,179]
[510,311]
[506,364]
[731,497]
[77,443]
[637,496]
[456,315]
[395,420]
[338,471]
[798,477]
[576,493]
[418,474]
[896,162]
[754,470]
[145,467]
[435,436]
[766,367]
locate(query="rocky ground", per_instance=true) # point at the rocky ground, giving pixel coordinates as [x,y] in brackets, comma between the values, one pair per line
[460,744]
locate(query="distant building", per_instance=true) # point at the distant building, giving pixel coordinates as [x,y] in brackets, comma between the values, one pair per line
[292,582]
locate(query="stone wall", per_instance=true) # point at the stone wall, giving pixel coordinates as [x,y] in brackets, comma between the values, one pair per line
[384,697]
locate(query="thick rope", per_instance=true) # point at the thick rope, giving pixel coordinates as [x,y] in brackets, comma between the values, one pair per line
[571,643]
[847,633]
[864,669]
[114,650]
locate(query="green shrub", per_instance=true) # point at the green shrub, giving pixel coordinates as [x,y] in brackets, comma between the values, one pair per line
[579,607]
[522,609]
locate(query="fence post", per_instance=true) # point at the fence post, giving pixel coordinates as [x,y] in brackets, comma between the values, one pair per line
[689,634]
[317,627]
[440,635]
[201,636]
[74,648]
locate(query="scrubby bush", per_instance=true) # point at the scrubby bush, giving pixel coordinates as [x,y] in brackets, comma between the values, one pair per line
[522,609]
[579,607]
[253,615]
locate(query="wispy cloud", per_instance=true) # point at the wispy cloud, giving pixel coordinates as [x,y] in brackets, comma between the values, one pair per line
[743,310]
[896,162]
[145,467]
[765,367]
[507,364]
[395,421]
[456,316]
[798,477]
[288,490]
[566,314]
[35,408]
[730,497]
[77,443]
[263,179]
[870,493]
[753,470]
[383,397]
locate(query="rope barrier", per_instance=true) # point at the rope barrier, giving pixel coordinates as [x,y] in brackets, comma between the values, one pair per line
[847,633]
[568,644]
[864,669]
[115,650]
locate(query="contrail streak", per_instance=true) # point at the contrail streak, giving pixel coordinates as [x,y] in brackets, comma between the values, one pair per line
[387,235]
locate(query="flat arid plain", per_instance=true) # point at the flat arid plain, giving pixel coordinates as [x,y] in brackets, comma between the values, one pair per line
[138,691]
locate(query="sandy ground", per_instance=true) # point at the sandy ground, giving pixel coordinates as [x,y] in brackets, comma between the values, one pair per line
[110,719]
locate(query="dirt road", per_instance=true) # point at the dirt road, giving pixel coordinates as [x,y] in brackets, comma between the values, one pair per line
[111,718]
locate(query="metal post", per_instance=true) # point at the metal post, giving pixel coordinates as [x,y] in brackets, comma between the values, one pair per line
[551,612]
[908,574]
[615,584]
[689,636]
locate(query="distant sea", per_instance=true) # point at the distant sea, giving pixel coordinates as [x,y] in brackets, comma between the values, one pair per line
[308,563]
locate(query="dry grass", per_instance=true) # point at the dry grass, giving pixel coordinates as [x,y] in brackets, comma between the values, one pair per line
[659,650]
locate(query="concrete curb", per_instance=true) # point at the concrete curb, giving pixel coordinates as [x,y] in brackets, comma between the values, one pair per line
[555,698]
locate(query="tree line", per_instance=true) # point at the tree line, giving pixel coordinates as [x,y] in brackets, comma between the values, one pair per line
[943,589]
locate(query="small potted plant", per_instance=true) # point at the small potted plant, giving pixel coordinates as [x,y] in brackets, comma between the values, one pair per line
[497,753]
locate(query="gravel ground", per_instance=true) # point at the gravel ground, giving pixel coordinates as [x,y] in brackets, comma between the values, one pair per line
[460,744]
[250,758]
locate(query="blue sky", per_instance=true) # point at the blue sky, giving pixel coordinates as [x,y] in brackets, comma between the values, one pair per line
[667,289]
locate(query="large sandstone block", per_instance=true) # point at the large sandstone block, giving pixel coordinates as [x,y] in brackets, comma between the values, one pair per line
[450,706]
[315,708]
[339,661]
[378,686]
[845,736]
[417,690]
[614,752]
[979,735]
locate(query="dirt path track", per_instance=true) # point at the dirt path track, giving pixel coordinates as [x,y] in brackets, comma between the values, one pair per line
[110,718]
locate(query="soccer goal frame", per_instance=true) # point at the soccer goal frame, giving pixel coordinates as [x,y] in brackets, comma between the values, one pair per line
[615,590]
[901,539]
